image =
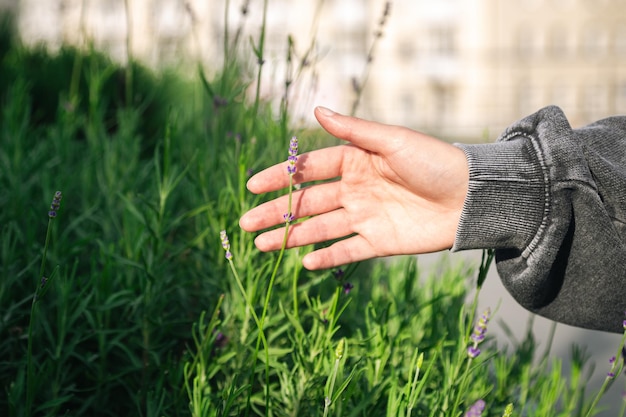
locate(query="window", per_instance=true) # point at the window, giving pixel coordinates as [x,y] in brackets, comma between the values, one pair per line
[442,40]
[620,98]
[594,41]
[619,42]
[558,42]
[526,42]
[595,102]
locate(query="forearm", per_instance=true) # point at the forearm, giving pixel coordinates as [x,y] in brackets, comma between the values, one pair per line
[534,196]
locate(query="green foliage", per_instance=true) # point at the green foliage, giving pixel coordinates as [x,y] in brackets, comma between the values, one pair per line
[146,317]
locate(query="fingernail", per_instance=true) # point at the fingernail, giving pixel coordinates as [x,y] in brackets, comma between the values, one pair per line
[326,112]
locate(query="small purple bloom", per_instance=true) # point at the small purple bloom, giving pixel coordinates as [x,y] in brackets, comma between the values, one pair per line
[44,280]
[219,101]
[339,274]
[221,340]
[473,352]
[293,155]
[611,373]
[481,327]
[476,409]
[347,287]
[478,335]
[226,244]
[56,203]
[288,217]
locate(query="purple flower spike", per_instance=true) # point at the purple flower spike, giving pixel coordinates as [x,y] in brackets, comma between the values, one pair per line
[347,287]
[478,335]
[473,352]
[611,373]
[339,274]
[226,244]
[221,340]
[289,217]
[476,409]
[56,203]
[293,156]
[481,327]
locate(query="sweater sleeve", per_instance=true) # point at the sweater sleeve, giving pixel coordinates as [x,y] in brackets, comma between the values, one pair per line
[552,201]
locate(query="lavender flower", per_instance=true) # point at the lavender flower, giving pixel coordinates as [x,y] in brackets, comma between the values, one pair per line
[219,101]
[288,217]
[476,409]
[293,156]
[473,352]
[478,335]
[346,286]
[226,244]
[339,273]
[56,203]
[611,373]
[221,340]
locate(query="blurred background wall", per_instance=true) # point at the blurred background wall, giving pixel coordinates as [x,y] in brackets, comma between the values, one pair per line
[456,68]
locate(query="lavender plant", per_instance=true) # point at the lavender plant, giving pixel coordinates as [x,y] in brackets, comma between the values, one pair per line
[164,308]
[42,287]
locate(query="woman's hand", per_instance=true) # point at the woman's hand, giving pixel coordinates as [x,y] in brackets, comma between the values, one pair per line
[392,191]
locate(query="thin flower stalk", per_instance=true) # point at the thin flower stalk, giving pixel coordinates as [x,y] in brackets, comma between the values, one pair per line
[473,351]
[43,283]
[617,363]
[414,391]
[476,410]
[339,351]
[508,411]
[289,217]
[291,170]
[359,84]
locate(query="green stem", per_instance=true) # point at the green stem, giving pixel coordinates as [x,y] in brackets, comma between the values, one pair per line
[484,267]
[30,377]
[261,322]
[294,289]
[608,379]
[260,63]
[294,281]
[333,377]
[129,54]
[226,49]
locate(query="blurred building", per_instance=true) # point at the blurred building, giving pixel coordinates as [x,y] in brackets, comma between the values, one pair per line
[461,69]
[465,66]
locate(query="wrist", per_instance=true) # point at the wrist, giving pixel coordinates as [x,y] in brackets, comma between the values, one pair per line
[506,199]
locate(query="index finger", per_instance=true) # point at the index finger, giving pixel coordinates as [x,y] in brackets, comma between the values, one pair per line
[366,134]
[316,165]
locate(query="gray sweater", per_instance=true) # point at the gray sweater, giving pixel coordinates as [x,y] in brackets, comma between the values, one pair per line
[552,201]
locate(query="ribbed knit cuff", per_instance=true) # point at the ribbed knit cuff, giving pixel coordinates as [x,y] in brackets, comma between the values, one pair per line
[507,199]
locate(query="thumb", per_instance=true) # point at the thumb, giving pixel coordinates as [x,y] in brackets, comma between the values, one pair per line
[373,136]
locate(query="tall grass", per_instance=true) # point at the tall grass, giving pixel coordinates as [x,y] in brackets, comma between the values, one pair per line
[141,313]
